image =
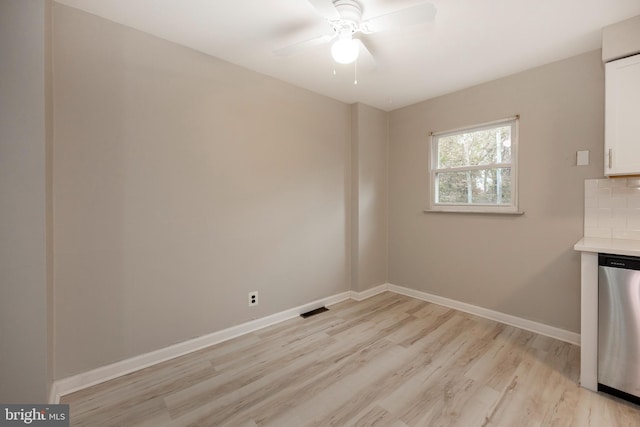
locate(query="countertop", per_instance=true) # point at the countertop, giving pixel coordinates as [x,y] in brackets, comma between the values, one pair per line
[609,246]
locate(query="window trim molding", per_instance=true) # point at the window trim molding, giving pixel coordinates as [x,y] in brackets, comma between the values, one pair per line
[511,209]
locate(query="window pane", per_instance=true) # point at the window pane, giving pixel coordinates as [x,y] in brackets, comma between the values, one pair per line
[452,187]
[484,187]
[451,152]
[479,147]
[491,186]
[506,187]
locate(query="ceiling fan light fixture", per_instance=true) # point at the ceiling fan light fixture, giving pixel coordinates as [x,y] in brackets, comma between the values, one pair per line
[345,50]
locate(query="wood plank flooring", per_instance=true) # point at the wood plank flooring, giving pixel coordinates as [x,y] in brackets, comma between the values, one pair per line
[387,361]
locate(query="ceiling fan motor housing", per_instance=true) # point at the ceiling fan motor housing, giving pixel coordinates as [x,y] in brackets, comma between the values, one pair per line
[350,13]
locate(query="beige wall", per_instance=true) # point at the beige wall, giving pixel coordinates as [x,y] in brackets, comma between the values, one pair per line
[621,39]
[181,183]
[25,314]
[520,265]
[369,174]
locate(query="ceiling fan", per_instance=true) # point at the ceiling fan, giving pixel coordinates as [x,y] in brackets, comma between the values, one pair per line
[345,20]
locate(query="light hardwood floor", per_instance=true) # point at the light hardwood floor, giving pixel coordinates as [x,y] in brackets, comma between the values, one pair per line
[387,361]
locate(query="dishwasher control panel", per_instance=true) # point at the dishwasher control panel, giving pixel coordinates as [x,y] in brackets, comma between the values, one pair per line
[619,261]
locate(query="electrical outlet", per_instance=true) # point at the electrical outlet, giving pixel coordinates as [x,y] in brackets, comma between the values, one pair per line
[253,298]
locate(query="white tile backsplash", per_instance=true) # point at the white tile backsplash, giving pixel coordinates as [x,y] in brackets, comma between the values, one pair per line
[612,208]
[626,234]
[633,219]
[598,232]
[590,186]
[633,202]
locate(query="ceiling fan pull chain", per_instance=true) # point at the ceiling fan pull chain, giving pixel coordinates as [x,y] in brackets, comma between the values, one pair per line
[355,72]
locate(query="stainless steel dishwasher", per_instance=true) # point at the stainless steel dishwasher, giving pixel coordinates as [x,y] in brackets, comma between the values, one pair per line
[619,326]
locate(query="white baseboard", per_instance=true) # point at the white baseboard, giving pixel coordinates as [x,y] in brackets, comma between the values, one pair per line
[359,296]
[518,322]
[105,373]
[54,395]
[123,367]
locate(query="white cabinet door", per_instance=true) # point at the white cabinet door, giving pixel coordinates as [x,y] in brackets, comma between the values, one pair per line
[622,117]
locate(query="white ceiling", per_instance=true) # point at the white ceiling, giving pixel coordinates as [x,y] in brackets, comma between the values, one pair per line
[468,42]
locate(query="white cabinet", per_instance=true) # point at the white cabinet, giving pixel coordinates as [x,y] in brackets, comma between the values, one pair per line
[622,117]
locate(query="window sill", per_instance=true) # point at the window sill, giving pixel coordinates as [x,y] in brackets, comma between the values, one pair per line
[473,211]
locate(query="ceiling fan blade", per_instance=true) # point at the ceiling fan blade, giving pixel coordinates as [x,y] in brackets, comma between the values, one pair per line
[325,8]
[302,46]
[414,15]
[365,58]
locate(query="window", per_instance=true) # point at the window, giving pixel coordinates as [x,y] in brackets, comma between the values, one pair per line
[474,169]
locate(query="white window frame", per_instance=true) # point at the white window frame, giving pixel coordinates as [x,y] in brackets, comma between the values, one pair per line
[512,208]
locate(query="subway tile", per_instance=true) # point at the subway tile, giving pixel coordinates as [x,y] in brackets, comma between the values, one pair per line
[607,220]
[590,202]
[612,182]
[633,201]
[605,183]
[618,202]
[612,202]
[633,218]
[591,217]
[618,182]
[628,234]
[590,187]
[620,213]
[612,221]
[624,191]
[633,182]
[597,232]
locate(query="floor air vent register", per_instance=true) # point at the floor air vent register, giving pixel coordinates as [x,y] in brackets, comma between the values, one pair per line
[314,312]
